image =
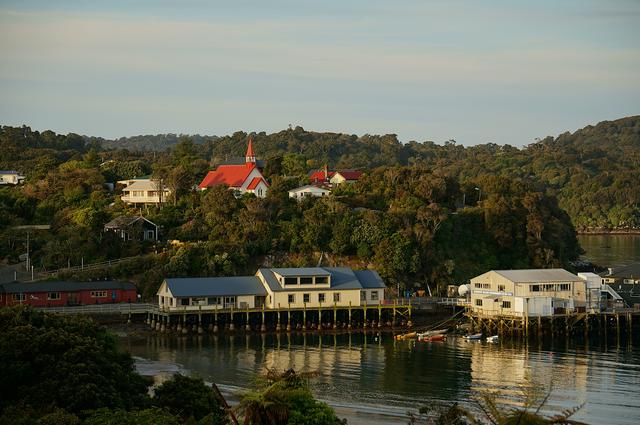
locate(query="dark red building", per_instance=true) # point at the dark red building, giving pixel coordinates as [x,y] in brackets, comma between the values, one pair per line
[58,293]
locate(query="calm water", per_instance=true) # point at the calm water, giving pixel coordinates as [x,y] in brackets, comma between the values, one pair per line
[611,250]
[372,374]
[377,375]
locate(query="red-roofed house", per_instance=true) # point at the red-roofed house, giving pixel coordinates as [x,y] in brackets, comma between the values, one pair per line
[335,177]
[242,178]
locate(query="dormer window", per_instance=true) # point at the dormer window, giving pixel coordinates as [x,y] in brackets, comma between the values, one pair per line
[306,281]
[322,280]
[290,280]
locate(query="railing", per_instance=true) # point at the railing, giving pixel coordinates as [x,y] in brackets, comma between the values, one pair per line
[122,308]
[92,266]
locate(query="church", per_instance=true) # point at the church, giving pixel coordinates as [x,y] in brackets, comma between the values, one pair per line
[241,178]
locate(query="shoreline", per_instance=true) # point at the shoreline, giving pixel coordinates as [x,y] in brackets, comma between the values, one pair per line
[603,231]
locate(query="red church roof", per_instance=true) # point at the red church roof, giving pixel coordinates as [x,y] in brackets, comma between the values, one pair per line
[250,149]
[231,175]
[254,183]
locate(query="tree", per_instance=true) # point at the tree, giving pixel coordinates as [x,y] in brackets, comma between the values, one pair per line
[67,362]
[189,398]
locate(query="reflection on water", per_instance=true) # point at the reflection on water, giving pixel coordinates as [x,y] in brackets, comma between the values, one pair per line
[375,370]
[611,250]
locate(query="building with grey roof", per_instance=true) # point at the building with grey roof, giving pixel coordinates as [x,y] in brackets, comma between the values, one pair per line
[272,288]
[527,293]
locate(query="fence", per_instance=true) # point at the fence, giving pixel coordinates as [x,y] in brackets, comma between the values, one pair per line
[91,266]
[122,308]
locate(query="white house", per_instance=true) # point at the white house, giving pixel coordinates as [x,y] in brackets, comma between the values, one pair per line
[307,191]
[10,177]
[144,191]
[273,288]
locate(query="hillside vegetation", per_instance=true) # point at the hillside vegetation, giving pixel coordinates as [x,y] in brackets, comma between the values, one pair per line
[424,214]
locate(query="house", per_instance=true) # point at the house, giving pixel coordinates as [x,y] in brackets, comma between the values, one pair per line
[241,178]
[133,228]
[10,177]
[61,293]
[335,177]
[272,288]
[628,293]
[527,293]
[308,191]
[626,274]
[144,191]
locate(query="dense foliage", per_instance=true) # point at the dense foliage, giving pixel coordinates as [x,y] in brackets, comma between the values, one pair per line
[424,214]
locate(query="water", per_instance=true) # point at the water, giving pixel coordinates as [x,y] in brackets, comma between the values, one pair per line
[373,379]
[611,250]
[375,374]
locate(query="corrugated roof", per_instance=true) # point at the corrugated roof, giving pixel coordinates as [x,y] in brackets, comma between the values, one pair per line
[254,183]
[231,175]
[308,187]
[270,279]
[63,286]
[350,174]
[370,279]
[301,271]
[215,286]
[343,278]
[538,275]
[142,185]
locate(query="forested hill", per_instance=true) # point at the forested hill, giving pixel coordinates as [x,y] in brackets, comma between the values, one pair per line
[593,172]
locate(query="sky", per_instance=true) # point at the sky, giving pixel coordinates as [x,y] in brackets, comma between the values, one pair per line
[503,72]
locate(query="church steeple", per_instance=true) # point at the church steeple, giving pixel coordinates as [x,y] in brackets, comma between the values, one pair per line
[250,158]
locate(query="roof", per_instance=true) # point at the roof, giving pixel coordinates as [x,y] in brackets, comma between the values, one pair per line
[538,275]
[250,148]
[301,271]
[8,172]
[341,277]
[350,174]
[309,187]
[124,221]
[231,175]
[142,184]
[215,286]
[319,175]
[63,286]
[630,271]
[254,182]
[369,279]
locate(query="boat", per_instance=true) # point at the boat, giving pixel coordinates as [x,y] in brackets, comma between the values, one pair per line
[406,336]
[432,338]
[473,337]
[493,338]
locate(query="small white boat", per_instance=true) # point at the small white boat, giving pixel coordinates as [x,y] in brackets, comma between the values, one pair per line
[473,337]
[493,338]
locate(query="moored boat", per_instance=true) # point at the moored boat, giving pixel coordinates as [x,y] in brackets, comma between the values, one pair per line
[493,338]
[473,337]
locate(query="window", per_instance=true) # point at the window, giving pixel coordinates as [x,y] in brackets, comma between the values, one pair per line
[18,297]
[565,286]
[534,288]
[229,301]
[322,279]
[306,281]
[290,280]
[98,294]
[53,296]
[501,288]
[184,301]
[291,298]
[482,285]
[321,298]
[479,302]
[363,295]
[305,298]
[336,297]
[506,304]
[374,295]
[214,301]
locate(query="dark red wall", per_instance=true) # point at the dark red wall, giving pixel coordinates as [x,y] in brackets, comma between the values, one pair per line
[39,299]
